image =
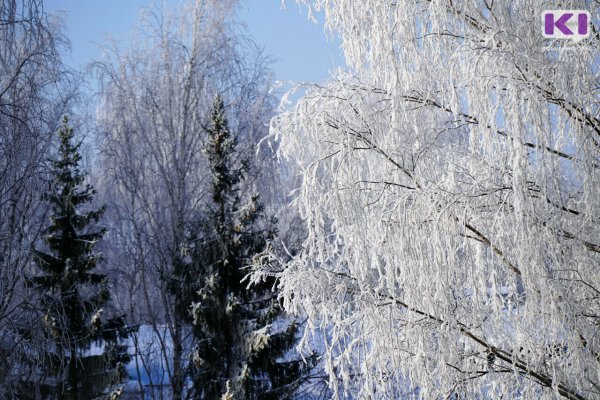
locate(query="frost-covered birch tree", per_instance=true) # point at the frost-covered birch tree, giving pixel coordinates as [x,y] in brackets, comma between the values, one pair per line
[35,90]
[450,186]
[157,98]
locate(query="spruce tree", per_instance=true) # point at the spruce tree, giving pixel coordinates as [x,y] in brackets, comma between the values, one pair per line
[74,297]
[239,346]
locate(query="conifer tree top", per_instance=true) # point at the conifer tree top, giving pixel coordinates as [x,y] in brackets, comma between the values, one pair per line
[221,154]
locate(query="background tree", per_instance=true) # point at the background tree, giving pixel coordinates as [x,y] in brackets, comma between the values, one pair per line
[156,98]
[238,341]
[35,90]
[449,188]
[74,295]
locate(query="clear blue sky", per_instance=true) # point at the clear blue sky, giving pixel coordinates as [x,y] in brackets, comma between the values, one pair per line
[298,46]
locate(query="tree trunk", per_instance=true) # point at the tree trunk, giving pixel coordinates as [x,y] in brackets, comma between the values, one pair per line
[73,380]
[177,384]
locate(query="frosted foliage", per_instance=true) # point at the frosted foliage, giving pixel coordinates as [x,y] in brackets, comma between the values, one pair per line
[156,96]
[450,188]
[155,101]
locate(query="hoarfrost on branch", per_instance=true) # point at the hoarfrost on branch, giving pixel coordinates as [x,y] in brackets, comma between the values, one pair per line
[450,186]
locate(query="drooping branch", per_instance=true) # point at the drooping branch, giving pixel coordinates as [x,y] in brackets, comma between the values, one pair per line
[520,366]
[474,121]
[469,119]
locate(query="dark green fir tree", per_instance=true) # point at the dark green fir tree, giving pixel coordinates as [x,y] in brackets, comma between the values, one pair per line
[74,296]
[242,341]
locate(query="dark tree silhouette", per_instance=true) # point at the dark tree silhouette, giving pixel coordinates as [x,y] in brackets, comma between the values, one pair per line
[73,294]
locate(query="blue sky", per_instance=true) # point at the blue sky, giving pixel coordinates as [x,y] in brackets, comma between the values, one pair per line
[299,47]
